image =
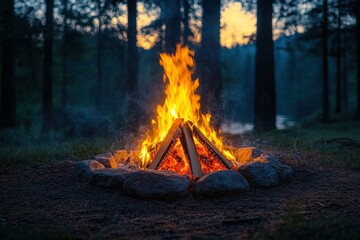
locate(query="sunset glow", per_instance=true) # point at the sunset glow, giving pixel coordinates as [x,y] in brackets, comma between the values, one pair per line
[235,24]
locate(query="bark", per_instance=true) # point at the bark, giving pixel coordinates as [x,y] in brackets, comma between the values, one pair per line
[48,68]
[325,113]
[338,61]
[172,24]
[8,88]
[345,86]
[210,65]
[265,97]
[64,94]
[357,116]
[99,58]
[132,48]
[133,105]
[99,67]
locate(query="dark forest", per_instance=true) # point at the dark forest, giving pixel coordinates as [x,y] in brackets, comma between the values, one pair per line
[81,78]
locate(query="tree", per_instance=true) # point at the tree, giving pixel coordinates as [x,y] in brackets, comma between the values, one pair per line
[48,67]
[172,24]
[325,55]
[133,108]
[132,48]
[338,59]
[8,96]
[357,116]
[99,54]
[210,64]
[264,97]
[65,55]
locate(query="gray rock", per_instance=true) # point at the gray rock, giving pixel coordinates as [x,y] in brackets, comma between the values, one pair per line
[156,184]
[107,159]
[84,169]
[284,172]
[247,154]
[109,177]
[260,175]
[221,183]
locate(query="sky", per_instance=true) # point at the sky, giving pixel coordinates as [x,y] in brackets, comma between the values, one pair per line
[235,24]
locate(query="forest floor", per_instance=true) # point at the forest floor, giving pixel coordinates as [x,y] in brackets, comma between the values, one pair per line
[42,201]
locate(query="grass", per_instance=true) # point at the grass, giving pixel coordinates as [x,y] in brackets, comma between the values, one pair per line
[21,150]
[309,142]
[18,149]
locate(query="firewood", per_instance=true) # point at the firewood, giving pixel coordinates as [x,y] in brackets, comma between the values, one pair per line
[169,141]
[188,144]
[211,147]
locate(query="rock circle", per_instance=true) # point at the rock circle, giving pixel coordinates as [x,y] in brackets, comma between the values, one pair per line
[120,170]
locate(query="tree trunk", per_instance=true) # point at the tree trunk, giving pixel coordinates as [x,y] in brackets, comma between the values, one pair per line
[265,97]
[210,62]
[345,88]
[187,32]
[172,25]
[132,85]
[99,67]
[48,68]
[132,48]
[325,114]
[64,97]
[8,88]
[357,116]
[338,61]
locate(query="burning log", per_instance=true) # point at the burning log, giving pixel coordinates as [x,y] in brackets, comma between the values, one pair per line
[186,133]
[169,141]
[190,151]
[211,147]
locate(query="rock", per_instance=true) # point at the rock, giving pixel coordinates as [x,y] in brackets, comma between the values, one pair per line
[221,183]
[156,184]
[128,166]
[261,175]
[284,172]
[109,177]
[121,156]
[84,169]
[247,154]
[107,159]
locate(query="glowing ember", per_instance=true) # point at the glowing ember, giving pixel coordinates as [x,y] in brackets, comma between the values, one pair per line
[181,102]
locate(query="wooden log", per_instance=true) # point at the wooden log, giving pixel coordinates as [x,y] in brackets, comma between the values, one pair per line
[211,147]
[169,141]
[188,144]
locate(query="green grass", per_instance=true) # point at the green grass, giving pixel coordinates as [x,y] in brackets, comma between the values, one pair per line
[19,150]
[308,141]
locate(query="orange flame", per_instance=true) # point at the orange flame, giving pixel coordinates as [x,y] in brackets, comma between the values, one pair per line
[181,102]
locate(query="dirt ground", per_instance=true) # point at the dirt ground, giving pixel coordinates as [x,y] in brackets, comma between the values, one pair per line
[47,199]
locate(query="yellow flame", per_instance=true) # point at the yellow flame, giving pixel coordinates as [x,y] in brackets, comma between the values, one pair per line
[181,102]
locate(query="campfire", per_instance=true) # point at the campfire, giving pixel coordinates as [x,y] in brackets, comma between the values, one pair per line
[182,153]
[182,139]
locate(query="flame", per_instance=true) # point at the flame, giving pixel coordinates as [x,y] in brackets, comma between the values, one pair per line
[181,102]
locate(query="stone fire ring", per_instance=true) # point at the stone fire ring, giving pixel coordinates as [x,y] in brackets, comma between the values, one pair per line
[118,170]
